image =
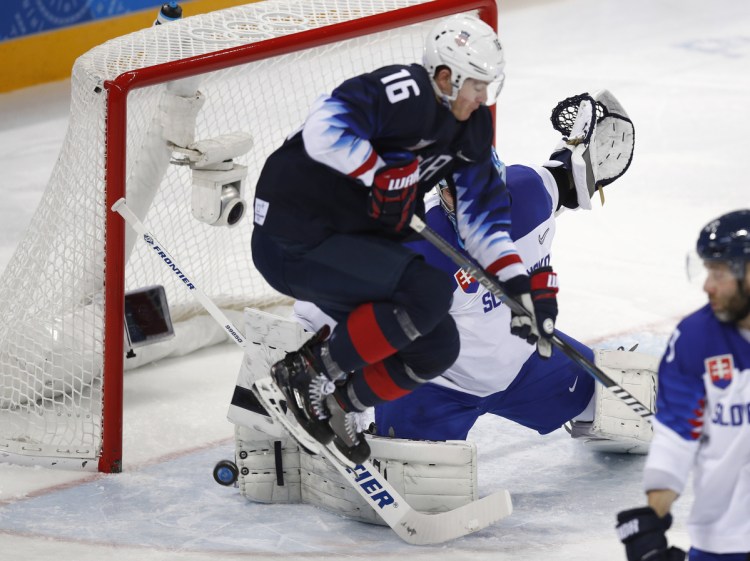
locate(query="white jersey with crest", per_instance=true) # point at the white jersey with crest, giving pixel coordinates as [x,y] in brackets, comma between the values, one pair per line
[703,427]
[491,356]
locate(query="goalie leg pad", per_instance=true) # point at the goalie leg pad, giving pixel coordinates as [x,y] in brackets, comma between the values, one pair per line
[616,427]
[269,469]
[431,476]
[269,338]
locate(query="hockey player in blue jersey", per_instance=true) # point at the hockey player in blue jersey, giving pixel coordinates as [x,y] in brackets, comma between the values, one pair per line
[703,414]
[496,372]
[333,205]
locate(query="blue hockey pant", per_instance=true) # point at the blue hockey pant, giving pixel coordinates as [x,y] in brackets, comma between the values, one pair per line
[394,330]
[544,395]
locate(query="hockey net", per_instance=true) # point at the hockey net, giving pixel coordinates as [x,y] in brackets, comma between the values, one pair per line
[259,67]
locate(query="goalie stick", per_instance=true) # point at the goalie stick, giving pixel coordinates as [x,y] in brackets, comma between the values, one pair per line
[410,525]
[493,285]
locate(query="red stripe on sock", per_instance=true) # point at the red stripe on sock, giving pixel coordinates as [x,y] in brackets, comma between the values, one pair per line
[380,382]
[366,335]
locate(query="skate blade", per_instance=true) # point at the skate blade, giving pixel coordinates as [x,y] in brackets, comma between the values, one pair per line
[271,397]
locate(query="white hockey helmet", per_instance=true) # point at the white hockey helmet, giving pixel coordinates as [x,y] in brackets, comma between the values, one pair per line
[471,49]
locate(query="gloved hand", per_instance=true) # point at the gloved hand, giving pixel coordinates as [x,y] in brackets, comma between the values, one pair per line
[544,295]
[393,195]
[538,295]
[644,535]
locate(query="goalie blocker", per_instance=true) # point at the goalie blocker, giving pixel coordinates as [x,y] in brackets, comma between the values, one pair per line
[431,476]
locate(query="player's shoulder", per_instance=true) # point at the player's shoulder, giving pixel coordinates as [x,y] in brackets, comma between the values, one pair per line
[405,78]
[532,202]
[696,336]
[694,327]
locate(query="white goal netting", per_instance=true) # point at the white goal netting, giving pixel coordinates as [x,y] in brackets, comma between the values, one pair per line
[51,293]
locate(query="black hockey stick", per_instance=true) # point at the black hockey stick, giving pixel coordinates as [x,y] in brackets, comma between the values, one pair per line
[410,525]
[491,283]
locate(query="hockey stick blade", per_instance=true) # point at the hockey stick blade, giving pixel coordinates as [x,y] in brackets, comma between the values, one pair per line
[491,283]
[410,525]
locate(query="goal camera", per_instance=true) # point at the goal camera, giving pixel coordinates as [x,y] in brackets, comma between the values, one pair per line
[217,197]
[218,182]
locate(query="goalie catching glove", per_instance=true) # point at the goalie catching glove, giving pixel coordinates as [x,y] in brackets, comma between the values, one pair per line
[538,294]
[394,190]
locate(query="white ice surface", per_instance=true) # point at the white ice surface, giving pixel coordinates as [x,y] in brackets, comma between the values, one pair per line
[680,68]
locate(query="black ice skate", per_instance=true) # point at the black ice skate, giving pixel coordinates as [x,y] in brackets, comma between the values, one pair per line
[348,431]
[303,382]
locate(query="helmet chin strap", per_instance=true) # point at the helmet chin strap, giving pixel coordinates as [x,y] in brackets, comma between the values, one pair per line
[445,99]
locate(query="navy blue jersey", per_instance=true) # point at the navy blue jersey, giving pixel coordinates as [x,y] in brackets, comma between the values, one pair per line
[318,181]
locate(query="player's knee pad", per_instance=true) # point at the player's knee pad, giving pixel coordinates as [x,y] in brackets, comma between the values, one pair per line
[269,468]
[616,427]
[431,476]
[269,338]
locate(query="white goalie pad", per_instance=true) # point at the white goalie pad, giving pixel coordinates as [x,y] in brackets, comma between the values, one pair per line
[431,476]
[616,427]
[269,469]
[269,338]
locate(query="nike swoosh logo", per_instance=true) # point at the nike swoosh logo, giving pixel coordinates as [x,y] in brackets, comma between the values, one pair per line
[543,236]
[421,144]
[572,388]
[460,154]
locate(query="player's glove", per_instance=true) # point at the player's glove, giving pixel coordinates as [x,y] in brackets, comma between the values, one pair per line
[644,535]
[394,190]
[544,295]
[538,295]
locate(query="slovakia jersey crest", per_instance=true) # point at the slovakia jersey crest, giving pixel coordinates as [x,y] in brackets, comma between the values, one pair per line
[467,283]
[720,369]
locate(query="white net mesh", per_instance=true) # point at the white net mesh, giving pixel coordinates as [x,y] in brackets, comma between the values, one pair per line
[51,297]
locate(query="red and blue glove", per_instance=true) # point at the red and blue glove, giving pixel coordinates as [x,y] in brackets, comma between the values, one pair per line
[538,294]
[393,195]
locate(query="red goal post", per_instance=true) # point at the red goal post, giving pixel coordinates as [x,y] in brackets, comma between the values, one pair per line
[240,56]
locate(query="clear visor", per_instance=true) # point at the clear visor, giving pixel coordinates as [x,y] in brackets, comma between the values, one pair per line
[484,92]
[695,269]
[699,270]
